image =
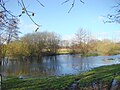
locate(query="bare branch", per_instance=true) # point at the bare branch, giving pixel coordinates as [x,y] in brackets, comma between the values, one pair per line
[72,6]
[82,1]
[8,14]
[73,3]
[19,3]
[118,4]
[27,12]
[40,3]
[2,5]
[65,2]
[114,18]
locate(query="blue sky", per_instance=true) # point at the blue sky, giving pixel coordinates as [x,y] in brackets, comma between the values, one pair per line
[54,17]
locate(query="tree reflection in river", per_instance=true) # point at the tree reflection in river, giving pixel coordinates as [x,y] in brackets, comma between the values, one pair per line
[54,65]
[30,67]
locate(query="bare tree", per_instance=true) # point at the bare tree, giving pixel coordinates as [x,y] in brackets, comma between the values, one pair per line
[8,31]
[11,30]
[82,40]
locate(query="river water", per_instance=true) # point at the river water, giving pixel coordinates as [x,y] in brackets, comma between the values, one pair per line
[55,65]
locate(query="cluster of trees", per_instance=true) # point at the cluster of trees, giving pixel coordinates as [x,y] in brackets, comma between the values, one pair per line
[34,45]
[101,47]
[49,43]
[84,44]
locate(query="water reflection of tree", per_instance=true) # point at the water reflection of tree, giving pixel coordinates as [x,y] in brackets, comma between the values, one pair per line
[48,65]
[31,67]
[51,64]
[81,64]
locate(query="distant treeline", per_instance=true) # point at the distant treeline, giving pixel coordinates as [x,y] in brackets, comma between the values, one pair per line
[49,43]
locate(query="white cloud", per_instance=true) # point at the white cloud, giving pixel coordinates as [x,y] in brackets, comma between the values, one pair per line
[101,35]
[101,18]
[118,31]
[68,37]
[114,35]
[27,27]
[30,26]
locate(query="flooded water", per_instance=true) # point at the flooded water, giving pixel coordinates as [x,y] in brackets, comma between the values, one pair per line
[55,65]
